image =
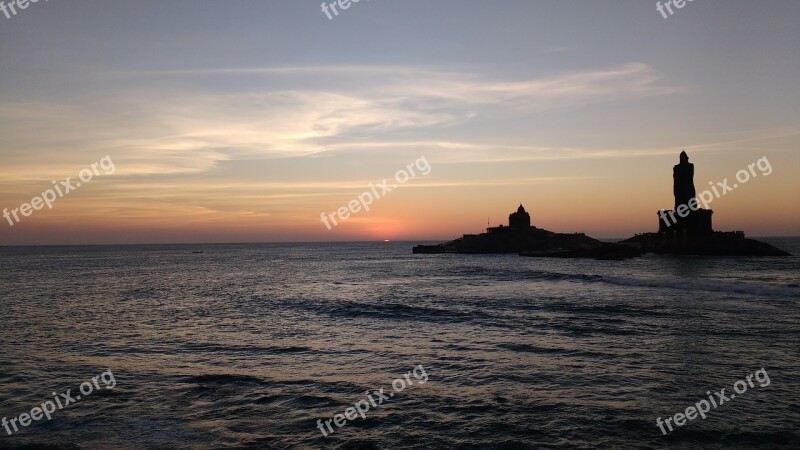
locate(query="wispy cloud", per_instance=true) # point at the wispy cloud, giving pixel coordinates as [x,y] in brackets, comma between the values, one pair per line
[158,129]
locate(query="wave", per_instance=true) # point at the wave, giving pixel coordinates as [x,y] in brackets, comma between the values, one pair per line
[730,287]
[762,287]
[527,348]
[247,349]
[397,311]
[223,379]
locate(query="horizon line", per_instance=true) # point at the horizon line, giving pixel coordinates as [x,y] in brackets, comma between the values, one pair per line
[291,242]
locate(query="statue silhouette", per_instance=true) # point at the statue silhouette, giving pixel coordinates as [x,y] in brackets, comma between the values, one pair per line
[683,184]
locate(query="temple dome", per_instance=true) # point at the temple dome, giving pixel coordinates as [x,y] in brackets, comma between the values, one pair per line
[519,219]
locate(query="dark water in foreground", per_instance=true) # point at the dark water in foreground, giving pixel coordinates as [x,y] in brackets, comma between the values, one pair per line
[247,346]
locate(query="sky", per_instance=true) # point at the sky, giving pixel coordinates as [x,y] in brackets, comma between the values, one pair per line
[246,121]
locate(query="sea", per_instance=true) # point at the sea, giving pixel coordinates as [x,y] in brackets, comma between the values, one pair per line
[274,345]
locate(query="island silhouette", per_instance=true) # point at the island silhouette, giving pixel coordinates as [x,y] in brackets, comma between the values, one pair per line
[684,230]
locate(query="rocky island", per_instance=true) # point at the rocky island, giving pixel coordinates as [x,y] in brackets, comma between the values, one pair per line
[685,230]
[522,238]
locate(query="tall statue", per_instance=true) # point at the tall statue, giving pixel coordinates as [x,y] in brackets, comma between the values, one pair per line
[683,185]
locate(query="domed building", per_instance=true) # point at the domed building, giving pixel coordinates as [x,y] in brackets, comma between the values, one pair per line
[520,219]
[517,237]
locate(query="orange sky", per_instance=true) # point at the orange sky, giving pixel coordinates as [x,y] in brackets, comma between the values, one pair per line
[606,197]
[247,132]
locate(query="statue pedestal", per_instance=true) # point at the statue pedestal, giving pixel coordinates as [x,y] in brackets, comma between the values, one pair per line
[695,223]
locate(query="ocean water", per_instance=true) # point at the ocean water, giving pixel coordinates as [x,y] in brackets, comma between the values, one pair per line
[248,346]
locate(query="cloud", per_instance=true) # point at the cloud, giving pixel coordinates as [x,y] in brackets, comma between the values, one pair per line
[156,127]
[633,80]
